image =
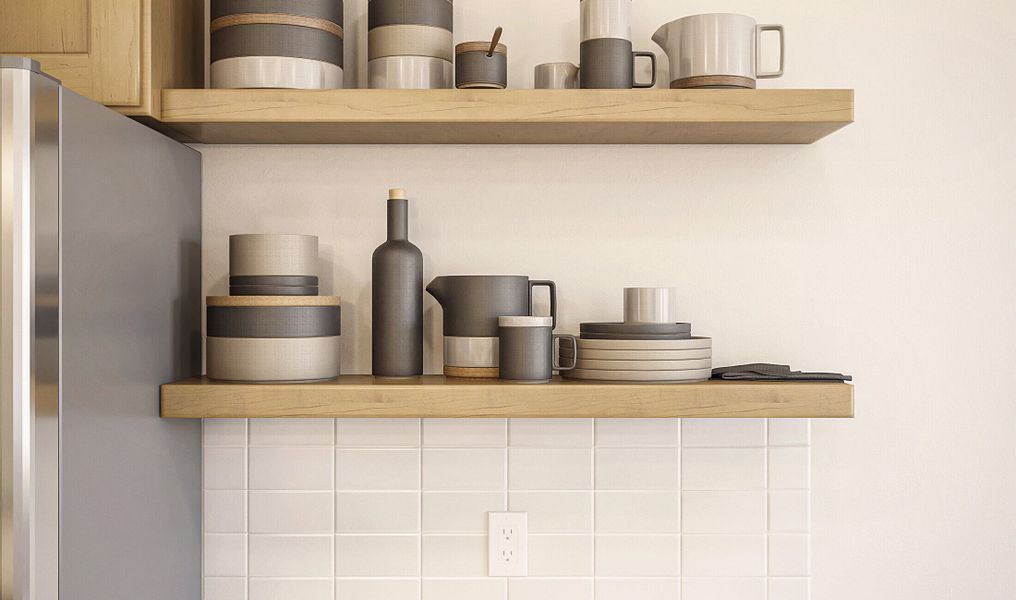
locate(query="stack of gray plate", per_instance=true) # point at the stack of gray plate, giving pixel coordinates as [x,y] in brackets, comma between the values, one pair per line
[409,44]
[276,44]
[273,326]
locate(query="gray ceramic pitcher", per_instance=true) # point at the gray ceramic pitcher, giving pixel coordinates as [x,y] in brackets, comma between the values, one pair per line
[472,303]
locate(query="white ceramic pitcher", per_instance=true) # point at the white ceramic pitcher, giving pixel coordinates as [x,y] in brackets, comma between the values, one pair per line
[716,50]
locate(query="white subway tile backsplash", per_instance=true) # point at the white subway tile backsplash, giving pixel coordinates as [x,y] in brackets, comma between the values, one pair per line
[640,589]
[377,555]
[223,432]
[788,555]
[460,512]
[377,589]
[550,469]
[554,511]
[225,588]
[290,468]
[551,433]
[520,588]
[723,555]
[468,433]
[465,589]
[224,555]
[789,468]
[789,432]
[377,469]
[291,589]
[720,433]
[747,588]
[723,469]
[638,555]
[638,468]
[789,588]
[224,511]
[309,509]
[560,555]
[723,512]
[291,512]
[455,556]
[481,469]
[634,512]
[292,432]
[638,432]
[356,433]
[290,555]
[377,512]
[224,468]
[789,512]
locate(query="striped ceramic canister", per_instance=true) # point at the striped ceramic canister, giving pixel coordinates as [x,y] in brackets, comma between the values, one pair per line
[276,44]
[409,44]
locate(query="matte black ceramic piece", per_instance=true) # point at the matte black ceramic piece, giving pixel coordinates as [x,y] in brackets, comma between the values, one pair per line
[476,69]
[527,353]
[397,299]
[329,10]
[635,336]
[436,13]
[297,280]
[636,328]
[276,40]
[274,321]
[272,290]
[609,63]
[472,303]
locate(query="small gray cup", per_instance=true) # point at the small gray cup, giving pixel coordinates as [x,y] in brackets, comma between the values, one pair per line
[526,349]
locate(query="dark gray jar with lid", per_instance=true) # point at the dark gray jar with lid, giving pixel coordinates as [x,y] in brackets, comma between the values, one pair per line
[397,298]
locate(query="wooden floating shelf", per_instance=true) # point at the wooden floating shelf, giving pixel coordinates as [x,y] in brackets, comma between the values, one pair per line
[770,116]
[362,396]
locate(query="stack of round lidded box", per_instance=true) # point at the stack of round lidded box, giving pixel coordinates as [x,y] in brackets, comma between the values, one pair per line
[409,44]
[273,326]
[276,44]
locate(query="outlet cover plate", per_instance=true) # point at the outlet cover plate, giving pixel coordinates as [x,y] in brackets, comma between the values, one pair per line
[508,544]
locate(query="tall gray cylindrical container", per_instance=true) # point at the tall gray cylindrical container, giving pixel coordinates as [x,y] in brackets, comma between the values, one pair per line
[397,297]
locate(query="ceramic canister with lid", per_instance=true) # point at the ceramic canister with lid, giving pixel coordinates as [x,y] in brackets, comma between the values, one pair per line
[409,44]
[477,67]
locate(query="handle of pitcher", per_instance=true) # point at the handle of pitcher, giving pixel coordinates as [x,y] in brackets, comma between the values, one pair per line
[553,297]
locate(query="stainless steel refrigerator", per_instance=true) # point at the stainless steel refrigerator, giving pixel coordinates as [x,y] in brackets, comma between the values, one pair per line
[101,261]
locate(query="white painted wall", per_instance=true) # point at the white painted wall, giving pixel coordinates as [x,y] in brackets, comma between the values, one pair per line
[886,251]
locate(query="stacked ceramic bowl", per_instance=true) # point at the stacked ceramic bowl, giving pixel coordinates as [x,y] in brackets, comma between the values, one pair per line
[273,326]
[648,346]
[409,44]
[276,44]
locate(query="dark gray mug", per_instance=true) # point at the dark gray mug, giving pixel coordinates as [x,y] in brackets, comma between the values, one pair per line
[609,63]
[526,349]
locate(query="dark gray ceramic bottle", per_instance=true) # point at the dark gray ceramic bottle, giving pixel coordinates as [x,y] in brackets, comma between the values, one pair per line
[397,297]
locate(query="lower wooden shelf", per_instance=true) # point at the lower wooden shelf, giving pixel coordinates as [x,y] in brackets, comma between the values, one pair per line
[362,396]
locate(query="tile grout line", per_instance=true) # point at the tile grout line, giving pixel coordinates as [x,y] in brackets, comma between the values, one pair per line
[506,501]
[680,508]
[593,505]
[335,506]
[768,510]
[419,513]
[246,506]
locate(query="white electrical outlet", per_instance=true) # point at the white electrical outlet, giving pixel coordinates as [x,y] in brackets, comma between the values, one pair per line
[507,544]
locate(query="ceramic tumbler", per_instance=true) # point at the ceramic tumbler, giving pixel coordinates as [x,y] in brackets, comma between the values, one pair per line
[476,69]
[650,305]
[526,349]
[716,50]
[556,76]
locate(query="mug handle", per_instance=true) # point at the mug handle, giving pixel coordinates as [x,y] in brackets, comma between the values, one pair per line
[652,58]
[758,51]
[553,298]
[575,352]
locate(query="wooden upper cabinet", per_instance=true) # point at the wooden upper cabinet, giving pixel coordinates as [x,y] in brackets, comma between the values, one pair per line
[121,53]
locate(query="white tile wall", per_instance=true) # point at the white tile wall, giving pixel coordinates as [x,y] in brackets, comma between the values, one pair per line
[395,509]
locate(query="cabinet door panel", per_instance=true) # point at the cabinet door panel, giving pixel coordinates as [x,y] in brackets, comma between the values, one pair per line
[38,26]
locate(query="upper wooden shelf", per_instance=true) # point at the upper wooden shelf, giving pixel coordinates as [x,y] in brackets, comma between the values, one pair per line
[772,116]
[362,396]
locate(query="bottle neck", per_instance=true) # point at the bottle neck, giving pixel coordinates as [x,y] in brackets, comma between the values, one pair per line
[398,219]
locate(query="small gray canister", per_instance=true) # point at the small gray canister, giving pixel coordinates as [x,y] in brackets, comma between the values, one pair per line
[478,66]
[526,349]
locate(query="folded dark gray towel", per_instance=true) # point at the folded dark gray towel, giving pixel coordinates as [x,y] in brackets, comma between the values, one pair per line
[771,372]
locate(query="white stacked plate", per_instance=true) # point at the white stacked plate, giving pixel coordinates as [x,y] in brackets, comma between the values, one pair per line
[648,361]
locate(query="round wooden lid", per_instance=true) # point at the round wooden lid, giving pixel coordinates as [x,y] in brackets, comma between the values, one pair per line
[272,301]
[480,47]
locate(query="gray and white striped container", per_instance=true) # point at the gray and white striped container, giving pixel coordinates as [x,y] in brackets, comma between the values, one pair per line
[409,44]
[276,44]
